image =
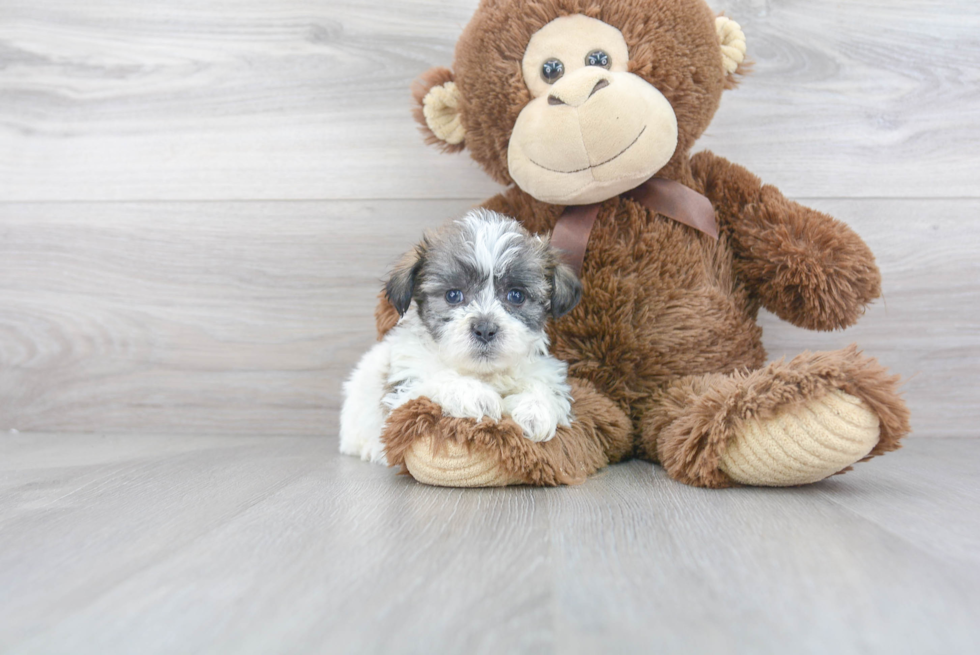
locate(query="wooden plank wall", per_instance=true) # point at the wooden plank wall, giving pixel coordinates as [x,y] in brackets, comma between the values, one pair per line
[198,199]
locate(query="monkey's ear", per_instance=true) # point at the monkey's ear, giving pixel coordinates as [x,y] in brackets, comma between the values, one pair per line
[400,287]
[732,42]
[566,290]
[437,109]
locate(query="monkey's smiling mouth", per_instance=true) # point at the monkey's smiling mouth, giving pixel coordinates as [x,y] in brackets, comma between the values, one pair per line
[602,163]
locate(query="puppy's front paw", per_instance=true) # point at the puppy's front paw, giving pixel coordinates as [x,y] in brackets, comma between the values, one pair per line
[534,414]
[468,398]
[375,453]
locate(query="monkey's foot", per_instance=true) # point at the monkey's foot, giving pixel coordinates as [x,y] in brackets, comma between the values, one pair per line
[802,444]
[786,424]
[460,452]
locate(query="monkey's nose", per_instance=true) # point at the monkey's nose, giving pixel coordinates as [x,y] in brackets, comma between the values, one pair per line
[484,331]
[575,90]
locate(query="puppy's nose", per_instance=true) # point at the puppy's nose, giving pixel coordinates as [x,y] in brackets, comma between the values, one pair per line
[484,331]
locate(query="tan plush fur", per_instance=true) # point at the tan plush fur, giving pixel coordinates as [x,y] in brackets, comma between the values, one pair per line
[664,350]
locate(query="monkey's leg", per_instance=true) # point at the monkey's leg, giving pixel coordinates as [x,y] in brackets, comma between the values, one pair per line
[456,452]
[786,424]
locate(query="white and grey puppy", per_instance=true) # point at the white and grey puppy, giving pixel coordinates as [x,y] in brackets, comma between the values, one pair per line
[473,340]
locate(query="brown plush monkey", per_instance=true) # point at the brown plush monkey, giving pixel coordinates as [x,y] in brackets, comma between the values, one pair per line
[579,103]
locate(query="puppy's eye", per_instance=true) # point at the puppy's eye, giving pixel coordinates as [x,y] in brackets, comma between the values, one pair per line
[454,296]
[551,70]
[597,58]
[515,296]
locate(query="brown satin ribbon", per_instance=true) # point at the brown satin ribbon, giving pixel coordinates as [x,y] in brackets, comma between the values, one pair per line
[571,233]
[667,197]
[676,201]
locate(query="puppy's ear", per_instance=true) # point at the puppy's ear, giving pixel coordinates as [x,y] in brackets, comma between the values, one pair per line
[401,285]
[566,290]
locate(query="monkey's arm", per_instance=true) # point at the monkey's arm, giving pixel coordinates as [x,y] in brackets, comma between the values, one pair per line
[806,267]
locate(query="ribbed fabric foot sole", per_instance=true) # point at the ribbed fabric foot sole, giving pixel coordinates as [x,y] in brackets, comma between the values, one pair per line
[803,444]
[454,466]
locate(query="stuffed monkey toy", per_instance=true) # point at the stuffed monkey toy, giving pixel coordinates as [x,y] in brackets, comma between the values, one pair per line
[587,112]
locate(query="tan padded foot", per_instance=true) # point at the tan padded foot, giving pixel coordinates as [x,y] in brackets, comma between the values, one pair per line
[454,466]
[803,444]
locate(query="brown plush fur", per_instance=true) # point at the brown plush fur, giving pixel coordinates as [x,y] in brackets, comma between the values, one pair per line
[806,267]
[666,331]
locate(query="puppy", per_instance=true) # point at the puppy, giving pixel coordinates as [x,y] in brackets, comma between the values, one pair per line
[473,340]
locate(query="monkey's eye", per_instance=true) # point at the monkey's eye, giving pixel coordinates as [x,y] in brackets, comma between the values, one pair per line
[597,58]
[551,70]
[515,296]
[454,296]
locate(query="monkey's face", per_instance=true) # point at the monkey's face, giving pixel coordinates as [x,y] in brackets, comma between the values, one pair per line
[577,101]
[592,129]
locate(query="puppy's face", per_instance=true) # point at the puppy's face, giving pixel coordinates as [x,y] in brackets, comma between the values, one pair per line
[485,289]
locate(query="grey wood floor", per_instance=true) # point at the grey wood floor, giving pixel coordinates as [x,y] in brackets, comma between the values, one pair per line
[231,544]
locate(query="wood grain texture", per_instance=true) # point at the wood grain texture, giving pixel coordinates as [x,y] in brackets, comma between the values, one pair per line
[210,317]
[203,544]
[243,318]
[146,100]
